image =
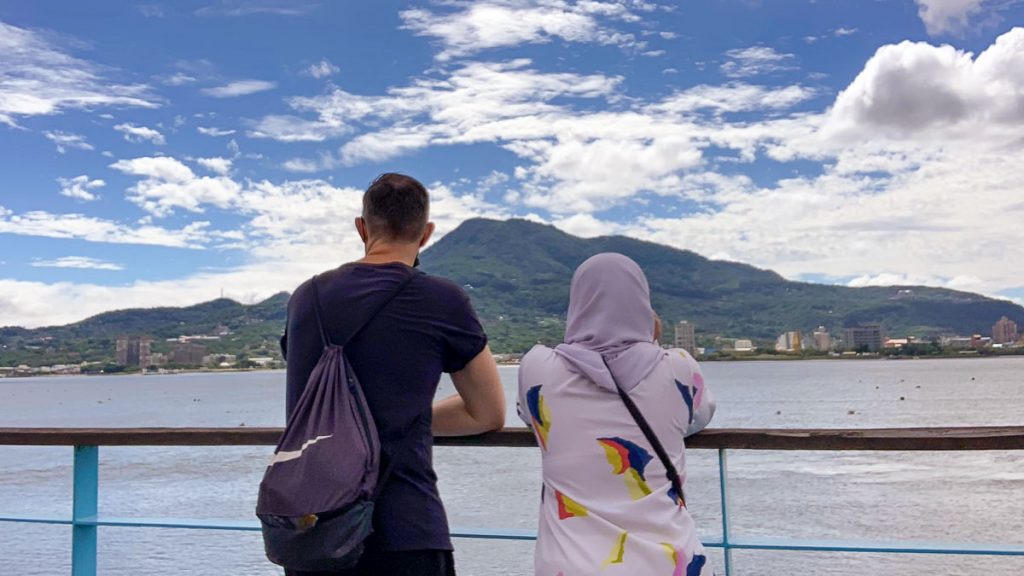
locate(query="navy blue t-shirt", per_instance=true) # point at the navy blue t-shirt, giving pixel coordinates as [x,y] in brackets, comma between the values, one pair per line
[429,328]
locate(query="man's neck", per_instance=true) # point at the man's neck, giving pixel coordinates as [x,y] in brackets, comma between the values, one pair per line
[389,253]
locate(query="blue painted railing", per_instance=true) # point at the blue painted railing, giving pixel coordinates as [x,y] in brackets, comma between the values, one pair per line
[85,519]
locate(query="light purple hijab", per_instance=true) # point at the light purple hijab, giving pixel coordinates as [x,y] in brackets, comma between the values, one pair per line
[610,316]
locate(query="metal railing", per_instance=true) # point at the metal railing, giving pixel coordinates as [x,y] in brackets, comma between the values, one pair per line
[85,518]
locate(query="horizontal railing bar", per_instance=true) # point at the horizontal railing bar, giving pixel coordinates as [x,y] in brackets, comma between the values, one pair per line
[182,523]
[485,534]
[881,547]
[882,439]
[31,520]
[749,543]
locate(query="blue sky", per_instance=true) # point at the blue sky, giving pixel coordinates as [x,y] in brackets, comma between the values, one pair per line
[157,153]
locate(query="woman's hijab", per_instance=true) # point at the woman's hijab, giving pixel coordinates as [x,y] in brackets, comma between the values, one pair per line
[610,321]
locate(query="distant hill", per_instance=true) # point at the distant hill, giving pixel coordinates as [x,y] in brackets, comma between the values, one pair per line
[517,273]
[254,332]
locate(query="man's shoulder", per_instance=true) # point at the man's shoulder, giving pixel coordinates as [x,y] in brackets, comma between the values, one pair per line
[440,285]
[299,294]
[347,277]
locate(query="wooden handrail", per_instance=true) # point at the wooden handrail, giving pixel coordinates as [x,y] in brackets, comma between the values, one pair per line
[888,439]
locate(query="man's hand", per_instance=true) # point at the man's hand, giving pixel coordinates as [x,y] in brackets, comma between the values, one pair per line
[479,405]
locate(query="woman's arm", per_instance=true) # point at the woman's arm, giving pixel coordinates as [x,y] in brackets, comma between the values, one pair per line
[700,402]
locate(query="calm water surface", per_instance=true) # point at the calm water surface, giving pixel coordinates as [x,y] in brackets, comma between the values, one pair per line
[942,496]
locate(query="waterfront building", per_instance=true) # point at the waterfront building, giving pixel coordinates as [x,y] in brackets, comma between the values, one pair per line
[822,339]
[789,342]
[744,345]
[956,342]
[262,361]
[133,351]
[1005,331]
[866,336]
[220,360]
[685,337]
[896,342]
[188,354]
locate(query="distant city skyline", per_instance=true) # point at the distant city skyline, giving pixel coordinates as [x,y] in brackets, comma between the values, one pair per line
[161,153]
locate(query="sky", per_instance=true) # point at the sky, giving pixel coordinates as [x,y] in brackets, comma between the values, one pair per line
[165,153]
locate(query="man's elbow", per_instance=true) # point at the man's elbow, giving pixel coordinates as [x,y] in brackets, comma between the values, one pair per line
[494,420]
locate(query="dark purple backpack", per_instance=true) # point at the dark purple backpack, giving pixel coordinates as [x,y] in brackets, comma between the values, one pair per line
[316,498]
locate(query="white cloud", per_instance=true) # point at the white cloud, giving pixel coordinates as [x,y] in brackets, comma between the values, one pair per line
[168,184]
[295,229]
[735,97]
[90,229]
[138,134]
[304,165]
[587,226]
[322,69]
[845,31]
[211,131]
[467,28]
[65,140]
[151,10]
[895,182]
[39,78]
[80,262]
[284,128]
[573,161]
[755,61]
[79,187]
[913,89]
[178,79]
[947,16]
[250,7]
[219,165]
[895,279]
[239,88]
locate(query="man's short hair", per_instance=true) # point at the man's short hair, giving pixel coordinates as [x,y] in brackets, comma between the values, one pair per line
[396,206]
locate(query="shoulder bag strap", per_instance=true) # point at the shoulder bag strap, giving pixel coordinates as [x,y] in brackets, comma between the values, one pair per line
[392,460]
[670,469]
[319,320]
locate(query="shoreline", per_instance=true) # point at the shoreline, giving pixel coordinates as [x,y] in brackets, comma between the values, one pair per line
[745,358]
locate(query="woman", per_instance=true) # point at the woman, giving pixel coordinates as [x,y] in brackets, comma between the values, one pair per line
[608,506]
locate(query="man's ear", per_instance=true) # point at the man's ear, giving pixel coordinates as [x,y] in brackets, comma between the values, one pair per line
[361,228]
[427,234]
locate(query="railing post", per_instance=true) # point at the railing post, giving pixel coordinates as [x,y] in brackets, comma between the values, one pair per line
[723,482]
[83,516]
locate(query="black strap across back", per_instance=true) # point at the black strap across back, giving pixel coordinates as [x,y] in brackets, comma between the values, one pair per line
[320,323]
[390,460]
[670,469]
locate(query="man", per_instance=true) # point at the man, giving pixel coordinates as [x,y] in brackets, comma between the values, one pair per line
[428,328]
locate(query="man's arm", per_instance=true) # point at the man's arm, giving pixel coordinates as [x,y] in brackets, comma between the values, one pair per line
[479,405]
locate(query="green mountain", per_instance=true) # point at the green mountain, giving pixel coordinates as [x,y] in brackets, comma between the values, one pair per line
[517,274]
[254,331]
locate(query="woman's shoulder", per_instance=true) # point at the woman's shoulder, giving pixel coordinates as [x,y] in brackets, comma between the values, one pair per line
[541,363]
[539,354]
[681,362]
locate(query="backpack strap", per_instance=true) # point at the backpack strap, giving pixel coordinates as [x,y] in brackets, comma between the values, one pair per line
[670,469]
[324,338]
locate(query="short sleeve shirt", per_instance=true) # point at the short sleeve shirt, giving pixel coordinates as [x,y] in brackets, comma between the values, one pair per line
[428,328]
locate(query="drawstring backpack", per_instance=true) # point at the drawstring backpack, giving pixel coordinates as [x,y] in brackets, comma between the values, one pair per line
[317,496]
